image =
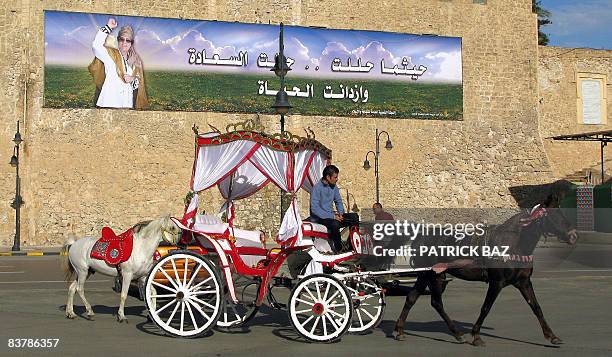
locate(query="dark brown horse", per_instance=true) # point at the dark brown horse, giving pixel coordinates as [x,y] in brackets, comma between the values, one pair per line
[521,233]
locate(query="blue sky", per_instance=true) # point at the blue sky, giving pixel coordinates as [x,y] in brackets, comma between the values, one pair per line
[585,23]
[164,43]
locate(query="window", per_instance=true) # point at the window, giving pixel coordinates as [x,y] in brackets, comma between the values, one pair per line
[592,98]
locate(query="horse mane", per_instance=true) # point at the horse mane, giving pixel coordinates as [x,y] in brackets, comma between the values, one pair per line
[511,224]
[148,228]
[141,225]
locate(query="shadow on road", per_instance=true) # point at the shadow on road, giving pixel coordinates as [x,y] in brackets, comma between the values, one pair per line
[151,329]
[108,310]
[521,341]
[270,317]
[440,326]
[431,326]
[289,334]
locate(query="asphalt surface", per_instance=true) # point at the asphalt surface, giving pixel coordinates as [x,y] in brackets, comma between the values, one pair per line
[573,286]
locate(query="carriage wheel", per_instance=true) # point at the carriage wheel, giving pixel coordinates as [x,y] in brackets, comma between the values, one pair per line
[184,294]
[320,308]
[368,305]
[236,315]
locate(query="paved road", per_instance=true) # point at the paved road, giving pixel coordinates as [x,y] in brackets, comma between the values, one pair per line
[574,288]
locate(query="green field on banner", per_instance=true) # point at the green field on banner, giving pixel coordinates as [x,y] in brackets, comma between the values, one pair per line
[72,87]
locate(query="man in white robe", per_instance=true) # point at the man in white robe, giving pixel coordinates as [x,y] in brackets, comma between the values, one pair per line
[121,76]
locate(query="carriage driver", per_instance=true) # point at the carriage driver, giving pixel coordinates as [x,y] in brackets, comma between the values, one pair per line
[323,194]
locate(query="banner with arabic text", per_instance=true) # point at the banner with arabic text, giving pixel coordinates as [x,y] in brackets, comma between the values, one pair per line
[194,65]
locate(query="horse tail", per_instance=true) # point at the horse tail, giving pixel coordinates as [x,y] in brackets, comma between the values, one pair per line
[65,263]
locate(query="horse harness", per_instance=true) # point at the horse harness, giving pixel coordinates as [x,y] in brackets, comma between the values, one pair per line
[535,214]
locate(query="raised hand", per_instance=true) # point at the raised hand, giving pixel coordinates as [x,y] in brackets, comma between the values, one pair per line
[112,23]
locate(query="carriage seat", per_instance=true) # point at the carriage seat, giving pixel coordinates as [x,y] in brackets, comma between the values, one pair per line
[212,224]
[209,224]
[316,230]
[246,238]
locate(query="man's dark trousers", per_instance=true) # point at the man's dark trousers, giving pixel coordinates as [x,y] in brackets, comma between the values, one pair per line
[333,228]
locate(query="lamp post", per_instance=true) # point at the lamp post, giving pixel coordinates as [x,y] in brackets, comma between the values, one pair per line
[281,105]
[18,201]
[366,163]
[603,145]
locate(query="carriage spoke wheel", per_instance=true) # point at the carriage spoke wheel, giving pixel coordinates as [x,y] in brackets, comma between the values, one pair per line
[184,294]
[368,305]
[236,315]
[320,308]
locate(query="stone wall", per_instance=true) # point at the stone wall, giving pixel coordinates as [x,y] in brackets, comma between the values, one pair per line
[558,112]
[83,169]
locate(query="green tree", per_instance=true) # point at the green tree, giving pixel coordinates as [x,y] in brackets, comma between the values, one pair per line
[543,20]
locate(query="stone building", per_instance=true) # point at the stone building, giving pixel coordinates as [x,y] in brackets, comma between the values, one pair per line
[561,74]
[85,168]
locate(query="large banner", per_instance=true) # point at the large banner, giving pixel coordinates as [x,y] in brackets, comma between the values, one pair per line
[108,61]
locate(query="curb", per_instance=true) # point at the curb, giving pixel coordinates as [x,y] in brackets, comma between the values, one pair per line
[28,254]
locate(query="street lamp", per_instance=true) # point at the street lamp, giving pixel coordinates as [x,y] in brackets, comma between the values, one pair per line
[366,162]
[18,201]
[281,105]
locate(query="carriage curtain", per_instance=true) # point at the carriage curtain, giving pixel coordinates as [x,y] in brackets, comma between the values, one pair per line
[303,159]
[214,163]
[217,162]
[287,170]
[315,171]
[243,182]
[292,222]
[274,164]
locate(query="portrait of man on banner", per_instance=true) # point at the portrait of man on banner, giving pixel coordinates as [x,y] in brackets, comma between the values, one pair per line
[117,69]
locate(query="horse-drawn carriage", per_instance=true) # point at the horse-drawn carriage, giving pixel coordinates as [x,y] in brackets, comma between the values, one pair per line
[226,282]
[219,274]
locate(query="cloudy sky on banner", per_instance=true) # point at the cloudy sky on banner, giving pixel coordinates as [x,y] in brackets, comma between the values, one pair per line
[164,44]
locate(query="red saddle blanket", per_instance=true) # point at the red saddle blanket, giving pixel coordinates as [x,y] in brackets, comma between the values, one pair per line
[112,248]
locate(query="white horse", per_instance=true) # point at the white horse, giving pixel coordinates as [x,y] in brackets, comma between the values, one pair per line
[75,260]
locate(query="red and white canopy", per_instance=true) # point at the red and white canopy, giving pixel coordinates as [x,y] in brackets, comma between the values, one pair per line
[242,162]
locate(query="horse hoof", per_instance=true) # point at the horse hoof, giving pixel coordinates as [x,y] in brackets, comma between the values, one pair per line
[71,316]
[556,341]
[90,317]
[460,338]
[399,336]
[478,342]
